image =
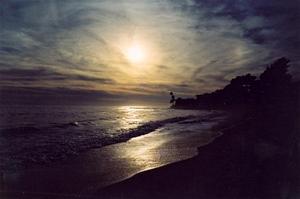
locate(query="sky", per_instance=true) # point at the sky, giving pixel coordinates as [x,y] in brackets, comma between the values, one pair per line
[107,50]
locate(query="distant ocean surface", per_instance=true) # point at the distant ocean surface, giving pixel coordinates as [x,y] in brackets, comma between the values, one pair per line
[42,134]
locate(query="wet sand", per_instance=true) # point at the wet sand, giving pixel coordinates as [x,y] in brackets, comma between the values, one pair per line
[83,175]
[243,163]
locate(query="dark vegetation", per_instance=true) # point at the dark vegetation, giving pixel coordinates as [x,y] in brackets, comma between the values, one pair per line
[273,88]
[272,100]
[256,157]
[261,150]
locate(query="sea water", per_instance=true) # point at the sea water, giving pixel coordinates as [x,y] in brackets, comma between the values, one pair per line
[42,134]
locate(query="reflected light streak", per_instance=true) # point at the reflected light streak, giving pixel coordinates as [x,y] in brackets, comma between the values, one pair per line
[144,154]
[132,116]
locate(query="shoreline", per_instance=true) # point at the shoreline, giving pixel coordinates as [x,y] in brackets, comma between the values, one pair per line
[239,164]
[105,166]
[130,133]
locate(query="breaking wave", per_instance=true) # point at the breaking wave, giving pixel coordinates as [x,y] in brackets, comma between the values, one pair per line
[47,144]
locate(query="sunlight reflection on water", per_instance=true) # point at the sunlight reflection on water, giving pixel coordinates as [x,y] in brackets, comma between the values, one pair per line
[66,131]
[157,148]
[145,153]
[132,116]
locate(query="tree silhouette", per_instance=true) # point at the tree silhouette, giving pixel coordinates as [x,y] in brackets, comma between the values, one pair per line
[276,74]
[239,91]
[273,90]
[274,87]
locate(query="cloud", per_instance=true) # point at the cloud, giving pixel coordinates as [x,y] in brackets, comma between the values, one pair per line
[9,50]
[54,95]
[93,79]
[262,21]
[38,75]
[192,45]
[161,89]
[162,67]
[261,31]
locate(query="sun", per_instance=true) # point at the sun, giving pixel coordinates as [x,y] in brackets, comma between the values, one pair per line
[135,54]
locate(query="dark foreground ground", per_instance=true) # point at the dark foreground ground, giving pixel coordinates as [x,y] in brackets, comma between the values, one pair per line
[256,157]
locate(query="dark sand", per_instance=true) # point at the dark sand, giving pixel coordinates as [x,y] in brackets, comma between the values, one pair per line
[242,163]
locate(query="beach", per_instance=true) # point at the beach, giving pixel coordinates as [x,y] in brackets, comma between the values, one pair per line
[85,174]
[149,99]
[233,154]
[238,164]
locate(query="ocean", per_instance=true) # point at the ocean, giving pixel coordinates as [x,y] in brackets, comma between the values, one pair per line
[44,134]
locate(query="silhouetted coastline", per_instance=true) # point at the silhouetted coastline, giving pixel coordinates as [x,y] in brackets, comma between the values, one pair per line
[256,157]
[273,88]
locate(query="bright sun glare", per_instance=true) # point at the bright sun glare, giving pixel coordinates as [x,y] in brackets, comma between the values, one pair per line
[135,54]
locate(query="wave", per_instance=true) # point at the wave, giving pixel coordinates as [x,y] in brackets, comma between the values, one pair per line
[66,125]
[44,146]
[28,129]
[141,130]
[19,130]
[25,130]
